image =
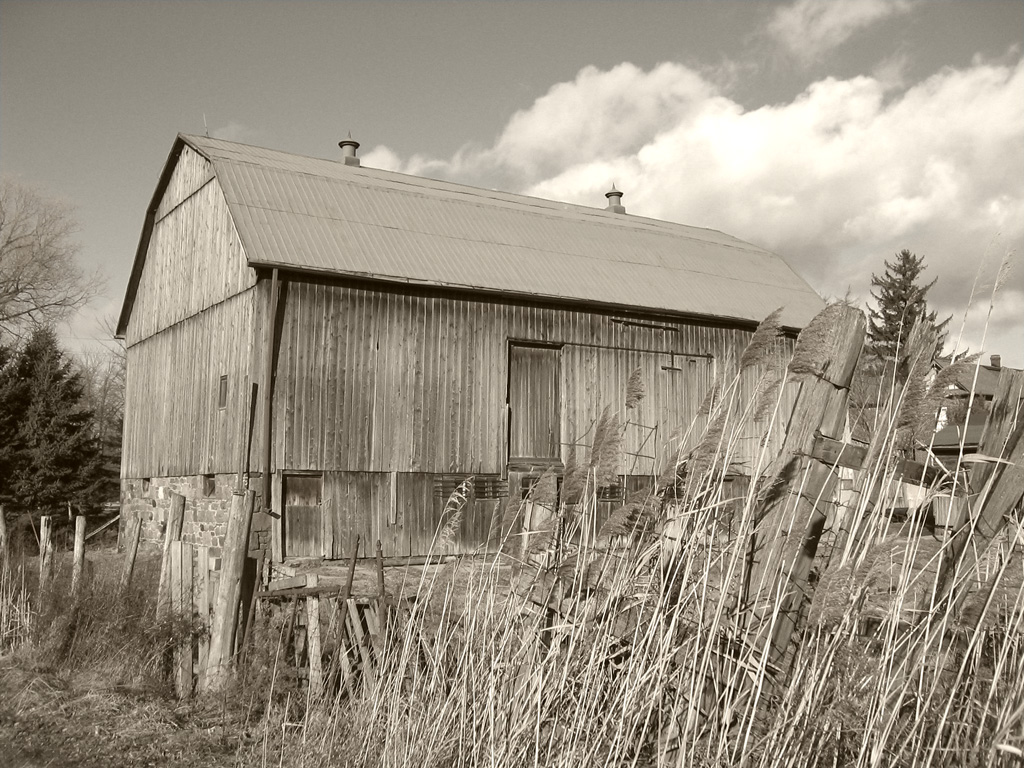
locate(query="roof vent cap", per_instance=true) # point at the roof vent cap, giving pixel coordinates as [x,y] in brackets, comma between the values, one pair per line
[614,200]
[348,148]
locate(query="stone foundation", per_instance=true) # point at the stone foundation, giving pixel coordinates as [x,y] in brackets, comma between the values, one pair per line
[207,505]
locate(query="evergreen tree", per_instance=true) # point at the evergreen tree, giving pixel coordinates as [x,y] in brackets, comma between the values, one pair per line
[901,302]
[51,457]
[13,403]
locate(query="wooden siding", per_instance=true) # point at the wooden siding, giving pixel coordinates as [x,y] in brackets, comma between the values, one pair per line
[379,381]
[403,510]
[596,377]
[172,423]
[191,171]
[302,516]
[534,404]
[195,259]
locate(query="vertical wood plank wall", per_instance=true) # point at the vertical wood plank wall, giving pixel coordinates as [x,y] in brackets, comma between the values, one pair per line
[375,381]
[195,258]
[385,392]
[172,424]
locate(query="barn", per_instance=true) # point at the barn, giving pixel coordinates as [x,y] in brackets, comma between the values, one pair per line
[353,343]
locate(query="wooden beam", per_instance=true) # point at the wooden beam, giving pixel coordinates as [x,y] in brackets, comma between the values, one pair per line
[172,533]
[313,646]
[130,553]
[4,546]
[999,487]
[269,347]
[836,453]
[78,561]
[181,605]
[791,523]
[103,527]
[45,550]
[225,615]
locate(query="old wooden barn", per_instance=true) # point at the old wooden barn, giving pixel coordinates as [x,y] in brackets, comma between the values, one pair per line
[355,342]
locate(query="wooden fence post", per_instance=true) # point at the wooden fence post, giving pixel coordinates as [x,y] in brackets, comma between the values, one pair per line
[79,556]
[791,523]
[225,614]
[5,549]
[172,533]
[132,549]
[45,550]
[313,646]
[999,485]
[180,584]
[201,599]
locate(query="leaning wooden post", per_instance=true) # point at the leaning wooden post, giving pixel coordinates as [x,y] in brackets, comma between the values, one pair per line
[172,533]
[346,591]
[1000,487]
[5,550]
[45,550]
[225,614]
[380,571]
[79,557]
[791,523]
[130,552]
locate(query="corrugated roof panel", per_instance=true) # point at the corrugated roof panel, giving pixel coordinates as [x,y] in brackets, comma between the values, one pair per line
[323,215]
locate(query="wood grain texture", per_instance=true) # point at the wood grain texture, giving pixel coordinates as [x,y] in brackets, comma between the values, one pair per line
[194,261]
[172,424]
[380,381]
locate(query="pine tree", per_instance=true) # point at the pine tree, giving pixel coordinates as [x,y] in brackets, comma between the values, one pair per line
[51,457]
[13,403]
[901,302]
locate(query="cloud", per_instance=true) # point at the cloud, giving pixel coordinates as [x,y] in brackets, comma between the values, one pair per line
[236,131]
[836,180]
[809,28]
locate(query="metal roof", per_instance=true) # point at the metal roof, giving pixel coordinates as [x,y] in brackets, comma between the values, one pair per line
[306,213]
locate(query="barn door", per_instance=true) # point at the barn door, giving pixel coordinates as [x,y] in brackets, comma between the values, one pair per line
[302,518]
[534,402]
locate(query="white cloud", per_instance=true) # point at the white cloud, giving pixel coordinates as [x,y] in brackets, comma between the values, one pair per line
[809,28]
[837,180]
[236,131]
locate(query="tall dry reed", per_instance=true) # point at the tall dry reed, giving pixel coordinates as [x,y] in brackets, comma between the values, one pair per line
[631,646]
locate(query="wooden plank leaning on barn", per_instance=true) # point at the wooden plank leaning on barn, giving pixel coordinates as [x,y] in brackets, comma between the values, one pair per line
[225,615]
[172,533]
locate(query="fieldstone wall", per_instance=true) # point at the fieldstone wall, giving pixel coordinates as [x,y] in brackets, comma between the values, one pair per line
[207,504]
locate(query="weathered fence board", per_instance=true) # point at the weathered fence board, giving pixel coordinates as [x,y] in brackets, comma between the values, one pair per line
[225,615]
[130,553]
[78,559]
[172,533]
[791,523]
[45,550]
[180,589]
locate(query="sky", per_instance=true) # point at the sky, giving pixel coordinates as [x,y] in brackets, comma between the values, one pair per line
[832,132]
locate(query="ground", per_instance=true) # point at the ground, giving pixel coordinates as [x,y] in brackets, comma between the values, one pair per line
[77,720]
[48,721]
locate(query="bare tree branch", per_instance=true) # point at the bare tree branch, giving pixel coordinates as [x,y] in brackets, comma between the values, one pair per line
[40,283]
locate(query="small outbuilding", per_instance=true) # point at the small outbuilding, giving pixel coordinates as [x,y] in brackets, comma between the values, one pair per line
[353,343]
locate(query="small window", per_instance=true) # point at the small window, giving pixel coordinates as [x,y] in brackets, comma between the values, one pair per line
[209,485]
[222,393]
[145,485]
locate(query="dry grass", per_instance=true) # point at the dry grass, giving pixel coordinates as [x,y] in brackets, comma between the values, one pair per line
[630,649]
[631,645]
